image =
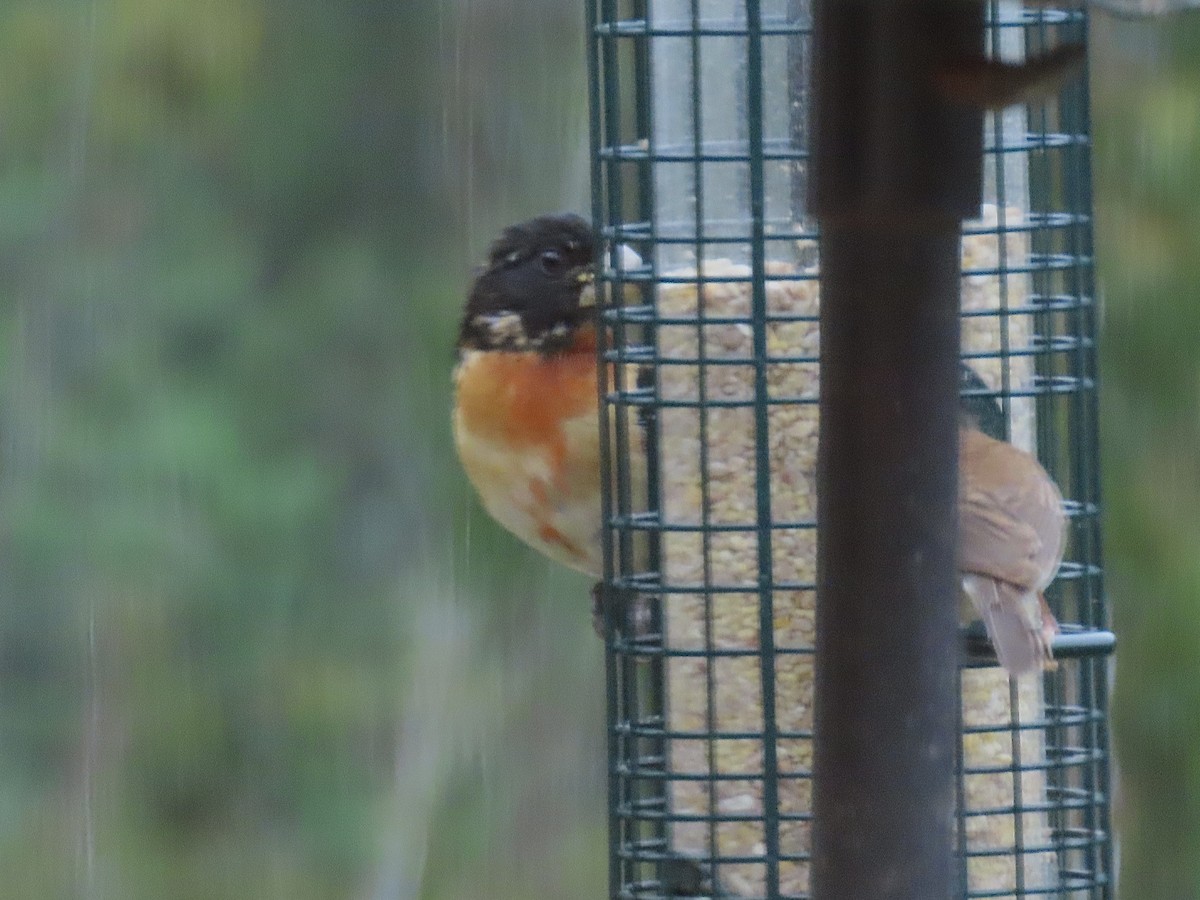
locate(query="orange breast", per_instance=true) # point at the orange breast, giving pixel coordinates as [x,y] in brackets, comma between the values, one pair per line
[520,400]
[527,434]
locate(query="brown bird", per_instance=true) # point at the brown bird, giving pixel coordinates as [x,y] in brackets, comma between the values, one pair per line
[1011,534]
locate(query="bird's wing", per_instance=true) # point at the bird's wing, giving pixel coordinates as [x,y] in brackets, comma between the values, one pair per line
[1011,519]
[1013,619]
[993,541]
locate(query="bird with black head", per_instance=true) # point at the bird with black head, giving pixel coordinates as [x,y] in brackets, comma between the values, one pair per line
[526,420]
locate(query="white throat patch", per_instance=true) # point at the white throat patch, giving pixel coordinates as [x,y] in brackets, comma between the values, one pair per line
[502,329]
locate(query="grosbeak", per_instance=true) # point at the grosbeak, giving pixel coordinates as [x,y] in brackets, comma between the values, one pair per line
[526,426]
[526,421]
[1011,533]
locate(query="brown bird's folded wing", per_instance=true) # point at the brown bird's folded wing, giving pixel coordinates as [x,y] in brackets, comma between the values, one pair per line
[994,542]
[1013,621]
[1011,519]
[1011,537]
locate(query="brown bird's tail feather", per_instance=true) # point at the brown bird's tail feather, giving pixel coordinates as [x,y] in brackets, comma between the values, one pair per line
[1019,624]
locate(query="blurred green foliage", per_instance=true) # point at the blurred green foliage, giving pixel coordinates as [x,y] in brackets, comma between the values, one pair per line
[1147,96]
[256,639]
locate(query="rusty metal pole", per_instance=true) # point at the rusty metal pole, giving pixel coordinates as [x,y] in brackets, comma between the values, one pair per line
[896,169]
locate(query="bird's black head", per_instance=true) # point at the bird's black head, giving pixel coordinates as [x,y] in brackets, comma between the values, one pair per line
[536,289]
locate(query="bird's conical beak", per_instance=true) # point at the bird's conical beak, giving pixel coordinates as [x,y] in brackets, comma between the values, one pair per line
[627,260]
[586,278]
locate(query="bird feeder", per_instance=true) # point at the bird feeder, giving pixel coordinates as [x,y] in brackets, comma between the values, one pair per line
[702,124]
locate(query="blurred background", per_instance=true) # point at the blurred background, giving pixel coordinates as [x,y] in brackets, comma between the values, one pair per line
[1146,129]
[256,637]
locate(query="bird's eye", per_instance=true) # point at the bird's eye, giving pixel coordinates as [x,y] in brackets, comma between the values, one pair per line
[552,262]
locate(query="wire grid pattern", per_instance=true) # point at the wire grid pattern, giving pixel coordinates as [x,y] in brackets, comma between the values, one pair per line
[699,136]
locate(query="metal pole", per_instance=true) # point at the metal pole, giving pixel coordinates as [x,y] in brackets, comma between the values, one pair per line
[896,169]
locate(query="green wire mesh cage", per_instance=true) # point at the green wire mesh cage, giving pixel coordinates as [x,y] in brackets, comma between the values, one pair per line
[700,164]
